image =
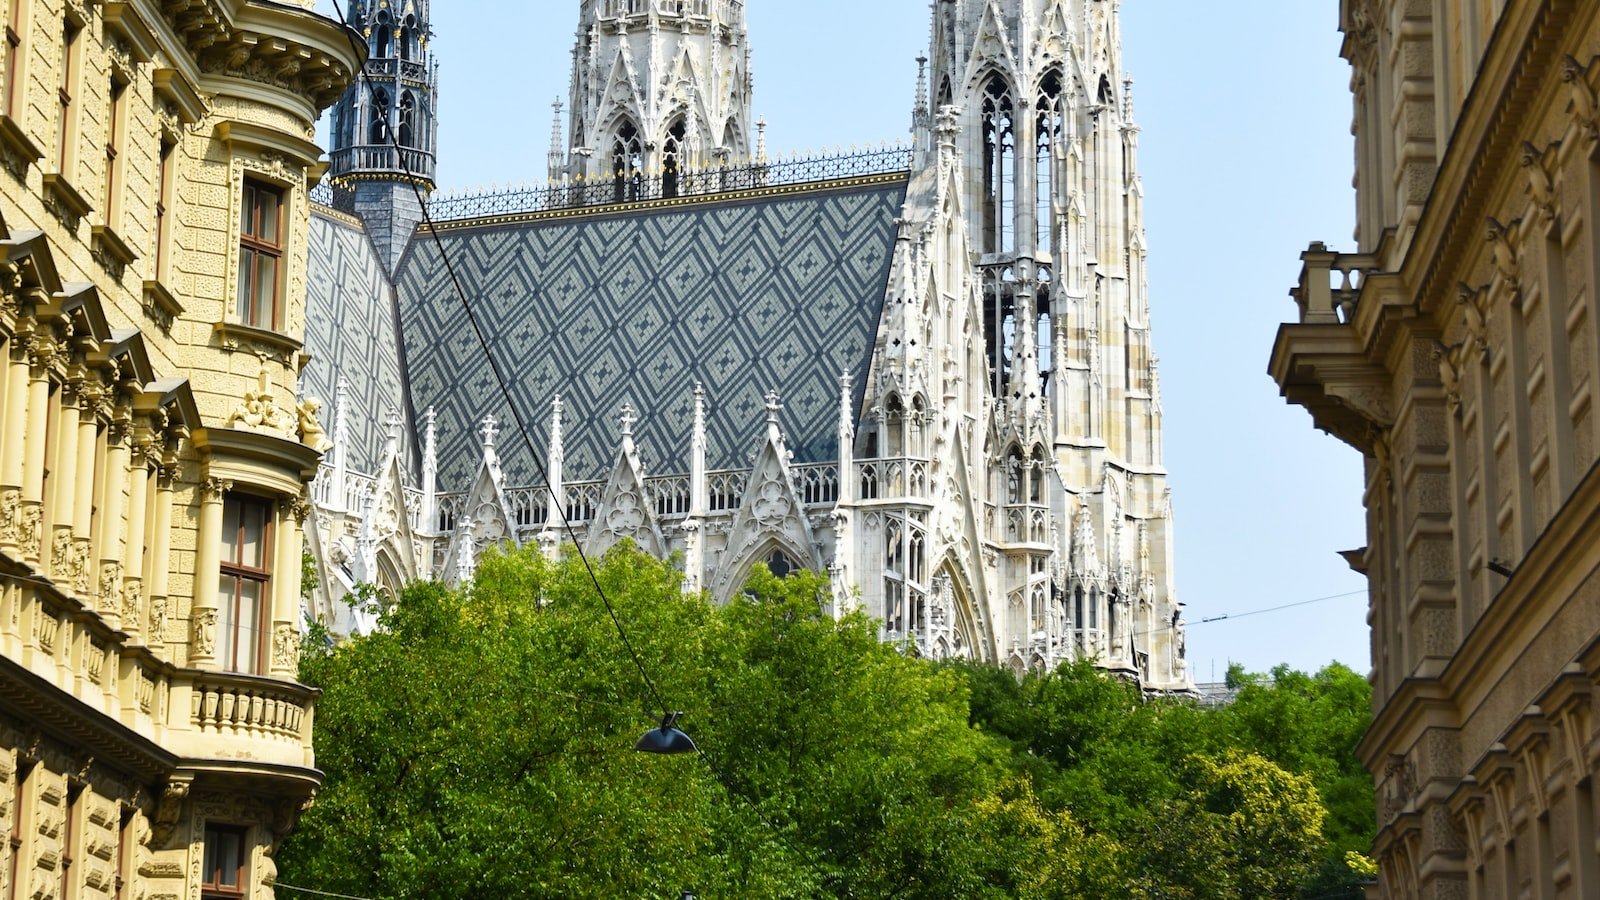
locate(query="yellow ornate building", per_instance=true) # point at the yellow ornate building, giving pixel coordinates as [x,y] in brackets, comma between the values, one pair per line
[153,458]
[1458,348]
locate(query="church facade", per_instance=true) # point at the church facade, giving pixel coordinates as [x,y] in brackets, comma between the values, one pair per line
[926,369]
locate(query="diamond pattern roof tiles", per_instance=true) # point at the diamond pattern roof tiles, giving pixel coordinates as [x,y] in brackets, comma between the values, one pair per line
[779,293]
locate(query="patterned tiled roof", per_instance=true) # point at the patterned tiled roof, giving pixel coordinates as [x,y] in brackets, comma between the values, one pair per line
[742,295]
[352,331]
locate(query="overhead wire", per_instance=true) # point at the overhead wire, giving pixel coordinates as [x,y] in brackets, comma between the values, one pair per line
[314,891]
[1228,617]
[494,367]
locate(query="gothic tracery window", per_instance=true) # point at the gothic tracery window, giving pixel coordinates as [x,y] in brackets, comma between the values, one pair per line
[999,166]
[408,38]
[627,164]
[1047,140]
[672,159]
[381,36]
[408,112]
[781,564]
[378,126]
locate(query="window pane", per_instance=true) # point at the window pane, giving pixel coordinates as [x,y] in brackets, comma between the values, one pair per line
[247,207]
[246,280]
[230,852]
[267,210]
[253,522]
[248,636]
[227,622]
[230,531]
[266,289]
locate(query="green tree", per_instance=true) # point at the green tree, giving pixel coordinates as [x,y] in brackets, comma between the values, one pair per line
[1136,770]
[480,745]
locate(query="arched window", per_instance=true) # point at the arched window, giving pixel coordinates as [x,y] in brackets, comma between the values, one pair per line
[1016,476]
[378,119]
[781,564]
[408,112]
[627,164]
[999,323]
[894,575]
[381,36]
[1037,468]
[999,166]
[1047,142]
[672,159]
[408,38]
[894,418]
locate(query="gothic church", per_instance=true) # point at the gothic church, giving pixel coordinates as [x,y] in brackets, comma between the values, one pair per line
[925,370]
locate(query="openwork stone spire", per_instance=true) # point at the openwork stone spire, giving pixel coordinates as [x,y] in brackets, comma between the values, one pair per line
[657,88]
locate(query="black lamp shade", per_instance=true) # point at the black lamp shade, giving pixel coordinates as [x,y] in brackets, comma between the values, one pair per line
[665,740]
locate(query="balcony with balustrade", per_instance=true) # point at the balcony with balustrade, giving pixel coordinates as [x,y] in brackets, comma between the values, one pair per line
[722,10]
[143,712]
[1329,359]
[383,158]
[671,497]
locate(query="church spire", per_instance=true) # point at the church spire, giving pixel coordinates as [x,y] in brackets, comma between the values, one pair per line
[384,131]
[658,88]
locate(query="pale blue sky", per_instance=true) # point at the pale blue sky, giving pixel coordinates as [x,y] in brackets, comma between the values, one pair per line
[1246,156]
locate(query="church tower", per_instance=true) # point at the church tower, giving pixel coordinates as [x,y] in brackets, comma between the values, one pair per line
[384,132]
[659,87]
[1042,118]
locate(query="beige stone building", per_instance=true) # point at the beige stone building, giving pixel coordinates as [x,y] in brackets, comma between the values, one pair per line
[153,456]
[1458,348]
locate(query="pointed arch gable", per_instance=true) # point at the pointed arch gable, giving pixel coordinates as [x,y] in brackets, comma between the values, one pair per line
[486,522]
[991,50]
[957,550]
[771,511]
[625,510]
[968,635]
[760,554]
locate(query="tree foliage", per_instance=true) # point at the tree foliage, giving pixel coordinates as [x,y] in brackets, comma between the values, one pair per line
[480,744]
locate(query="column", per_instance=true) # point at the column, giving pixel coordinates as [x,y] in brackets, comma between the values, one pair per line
[110,537]
[64,485]
[160,555]
[285,649]
[133,552]
[207,569]
[11,452]
[41,352]
[88,461]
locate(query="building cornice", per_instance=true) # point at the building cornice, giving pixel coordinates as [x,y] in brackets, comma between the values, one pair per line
[76,724]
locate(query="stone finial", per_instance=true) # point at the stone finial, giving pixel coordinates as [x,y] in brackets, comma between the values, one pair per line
[699,436]
[627,420]
[773,405]
[846,423]
[429,438]
[922,87]
[488,430]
